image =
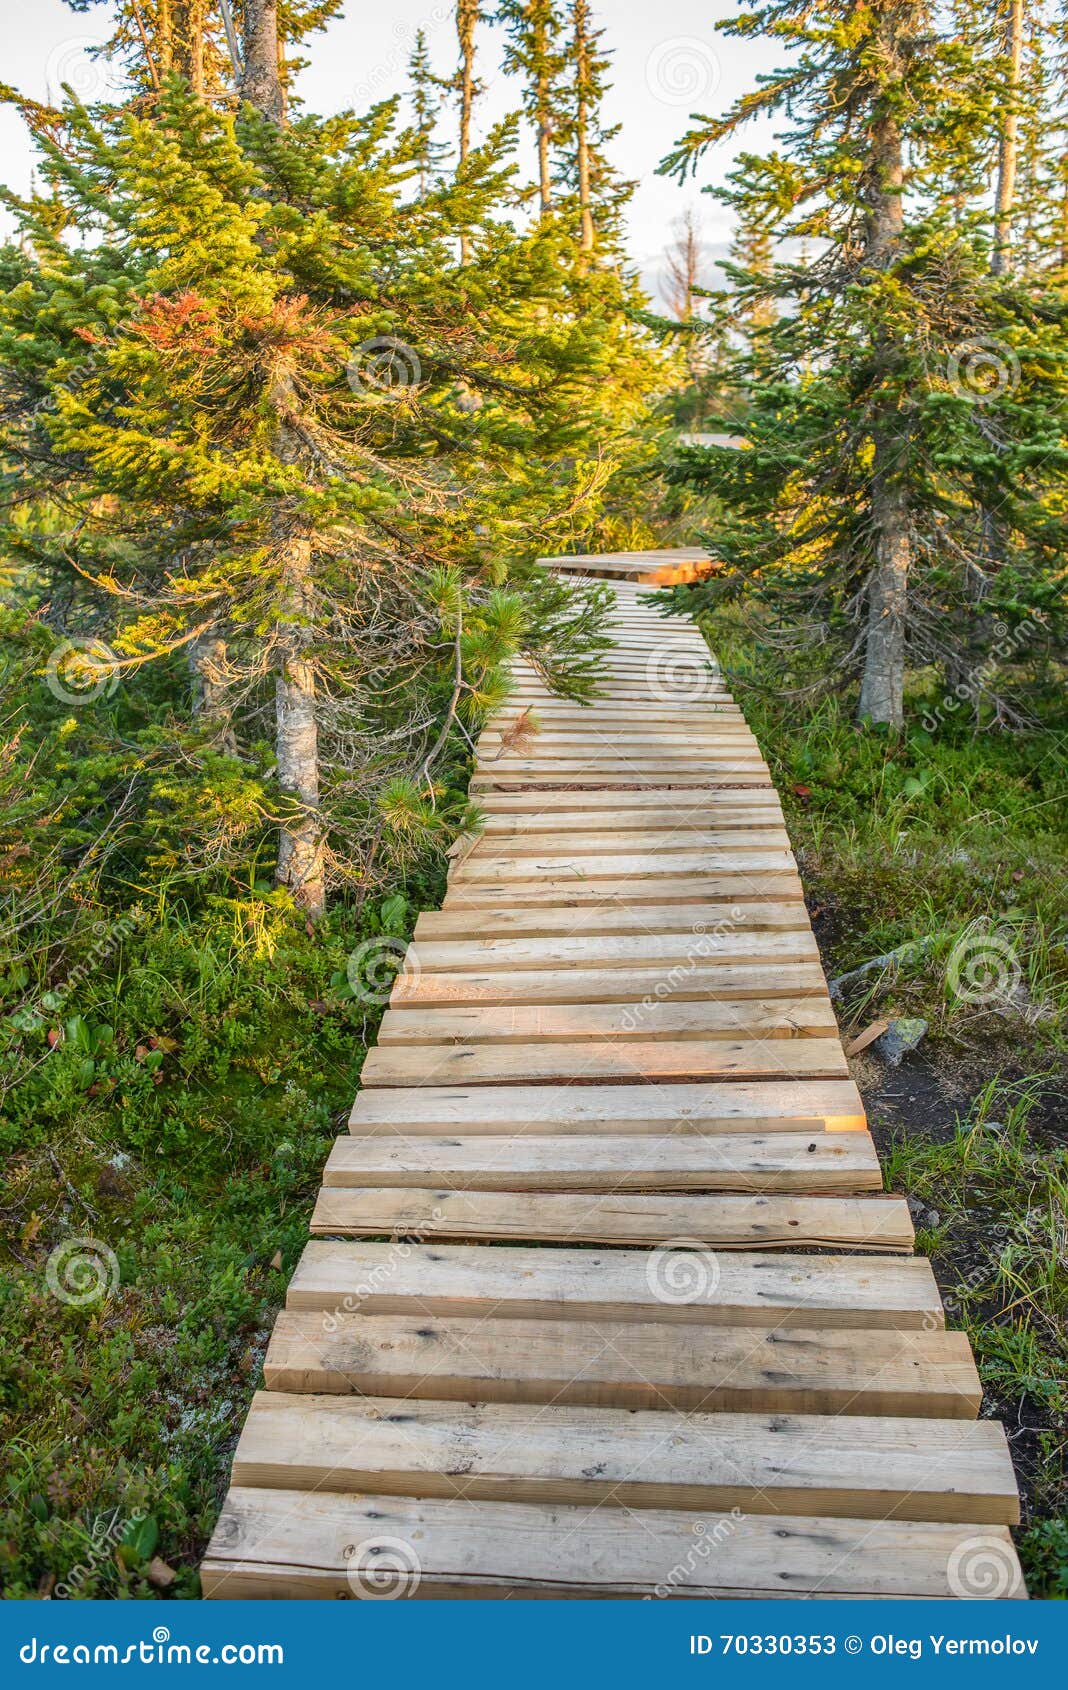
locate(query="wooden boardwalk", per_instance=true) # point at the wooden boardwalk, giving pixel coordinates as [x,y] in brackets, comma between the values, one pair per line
[604,1298]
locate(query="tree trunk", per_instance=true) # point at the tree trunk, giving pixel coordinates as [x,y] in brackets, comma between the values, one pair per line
[466,19]
[544,174]
[1008,144]
[163,37]
[883,680]
[210,671]
[189,42]
[261,82]
[582,141]
[300,844]
[300,847]
[882,688]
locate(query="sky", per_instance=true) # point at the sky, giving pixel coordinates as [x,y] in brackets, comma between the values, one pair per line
[668,60]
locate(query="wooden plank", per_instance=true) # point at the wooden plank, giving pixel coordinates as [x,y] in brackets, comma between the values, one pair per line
[612,950]
[640,889]
[728,1221]
[731,1288]
[737,1106]
[606,714]
[699,812]
[653,767]
[856,1468]
[778,1162]
[636,743]
[618,915]
[523,803]
[606,779]
[589,843]
[622,694]
[637,1059]
[629,864]
[777,1018]
[680,983]
[323,1545]
[647,1365]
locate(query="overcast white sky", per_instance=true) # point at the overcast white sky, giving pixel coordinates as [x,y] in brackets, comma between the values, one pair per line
[668,61]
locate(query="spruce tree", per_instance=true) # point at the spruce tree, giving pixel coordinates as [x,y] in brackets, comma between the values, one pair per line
[899,395]
[589,186]
[248,389]
[534,51]
[425,97]
[468,13]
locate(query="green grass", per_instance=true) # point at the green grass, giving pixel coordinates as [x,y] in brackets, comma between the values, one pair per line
[952,847]
[180,1124]
[1000,1259]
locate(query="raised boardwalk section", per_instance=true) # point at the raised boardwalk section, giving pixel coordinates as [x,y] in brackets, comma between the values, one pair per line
[604,1298]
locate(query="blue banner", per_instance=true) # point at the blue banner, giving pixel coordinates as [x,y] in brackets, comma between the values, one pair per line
[544,1645]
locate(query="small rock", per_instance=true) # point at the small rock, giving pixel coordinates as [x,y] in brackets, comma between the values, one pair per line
[932,1218]
[916,1206]
[901,1037]
[158,1573]
[993,1126]
[276,1259]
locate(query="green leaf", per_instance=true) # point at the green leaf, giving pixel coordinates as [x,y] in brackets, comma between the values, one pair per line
[393,914]
[139,1541]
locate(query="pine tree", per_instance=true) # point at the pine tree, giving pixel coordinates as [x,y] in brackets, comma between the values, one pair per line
[425,96]
[468,13]
[589,185]
[535,52]
[900,393]
[247,387]
[1008,139]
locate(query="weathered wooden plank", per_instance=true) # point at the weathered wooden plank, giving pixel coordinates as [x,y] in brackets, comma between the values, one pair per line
[615,950]
[855,1468]
[689,1369]
[274,1544]
[617,915]
[725,1288]
[551,890]
[637,798]
[776,1162]
[662,841]
[777,1018]
[626,864]
[748,1222]
[634,1059]
[699,812]
[779,1105]
[604,778]
[677,983]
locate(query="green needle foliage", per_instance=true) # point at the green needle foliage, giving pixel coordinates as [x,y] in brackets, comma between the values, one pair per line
[264,416]
[903,400]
